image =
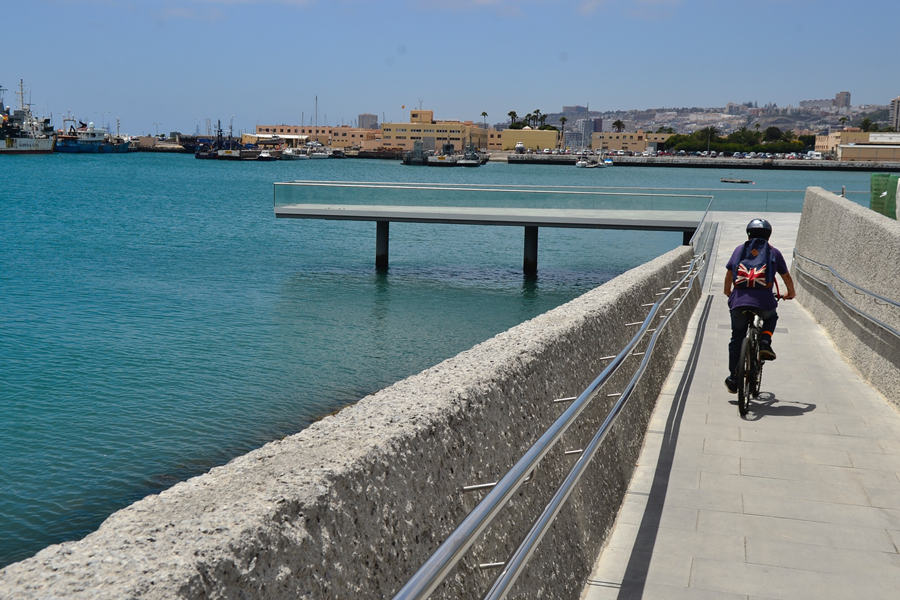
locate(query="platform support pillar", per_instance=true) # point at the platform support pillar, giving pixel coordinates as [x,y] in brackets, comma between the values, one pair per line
[686,237]
[382,238]
[529,263]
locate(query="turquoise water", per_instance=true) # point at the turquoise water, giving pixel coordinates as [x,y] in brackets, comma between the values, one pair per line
[156,320]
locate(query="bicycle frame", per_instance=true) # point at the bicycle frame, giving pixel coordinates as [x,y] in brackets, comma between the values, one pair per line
[750,366]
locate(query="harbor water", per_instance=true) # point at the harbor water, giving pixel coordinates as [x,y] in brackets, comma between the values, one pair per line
[156,320]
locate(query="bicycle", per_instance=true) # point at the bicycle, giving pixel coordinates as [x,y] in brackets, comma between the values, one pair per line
[750,366]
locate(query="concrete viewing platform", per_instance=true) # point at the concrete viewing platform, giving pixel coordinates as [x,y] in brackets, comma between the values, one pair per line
[529,218]
[798,500]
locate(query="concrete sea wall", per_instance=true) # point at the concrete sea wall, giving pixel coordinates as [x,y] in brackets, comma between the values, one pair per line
[863,247]
[353,505]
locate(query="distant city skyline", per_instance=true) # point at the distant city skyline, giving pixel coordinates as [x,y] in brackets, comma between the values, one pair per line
[170,65]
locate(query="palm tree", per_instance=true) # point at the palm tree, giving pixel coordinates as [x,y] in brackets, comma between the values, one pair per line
[513,116]
[542,119]
[528,119]
[484,119]
[843,121]
[619,125]
[562,129]
[536,115]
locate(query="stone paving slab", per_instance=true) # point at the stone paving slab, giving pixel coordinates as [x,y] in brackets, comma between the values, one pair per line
[799,499]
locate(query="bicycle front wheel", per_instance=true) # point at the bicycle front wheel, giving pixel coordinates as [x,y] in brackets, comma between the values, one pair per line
[745,377]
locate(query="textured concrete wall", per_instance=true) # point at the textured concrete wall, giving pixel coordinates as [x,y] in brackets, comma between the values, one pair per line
[353,505]
[863,247]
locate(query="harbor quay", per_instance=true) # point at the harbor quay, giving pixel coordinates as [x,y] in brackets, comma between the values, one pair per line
[797,500]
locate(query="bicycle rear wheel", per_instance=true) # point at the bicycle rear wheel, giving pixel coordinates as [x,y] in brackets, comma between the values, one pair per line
[745,377]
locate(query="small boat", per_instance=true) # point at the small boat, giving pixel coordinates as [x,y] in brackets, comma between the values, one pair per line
[416,156]
[470,158]
[265,155]
[20,131]
[584,162]
[294,154]
[729,180]
[316,150]
[446,158]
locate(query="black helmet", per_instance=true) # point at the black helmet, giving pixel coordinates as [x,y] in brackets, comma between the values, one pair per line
[759,228]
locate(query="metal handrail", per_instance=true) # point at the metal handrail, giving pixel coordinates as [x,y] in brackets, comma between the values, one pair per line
[702,220]
[843,300]
[519,559]
[850,283]
[451,551]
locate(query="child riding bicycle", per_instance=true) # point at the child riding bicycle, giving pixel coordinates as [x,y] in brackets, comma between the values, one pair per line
[748,285]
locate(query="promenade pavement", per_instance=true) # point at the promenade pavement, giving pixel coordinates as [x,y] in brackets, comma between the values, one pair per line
[798,500]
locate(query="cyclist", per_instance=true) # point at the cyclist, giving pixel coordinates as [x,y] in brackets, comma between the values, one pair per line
[759,300]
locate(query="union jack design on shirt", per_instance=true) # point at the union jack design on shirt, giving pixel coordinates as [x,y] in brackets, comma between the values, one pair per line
[750,277]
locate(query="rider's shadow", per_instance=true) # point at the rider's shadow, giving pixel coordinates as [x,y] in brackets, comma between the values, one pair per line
[767,404]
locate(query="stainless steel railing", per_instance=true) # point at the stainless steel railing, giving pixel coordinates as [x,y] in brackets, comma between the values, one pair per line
[876,297]
[446,557]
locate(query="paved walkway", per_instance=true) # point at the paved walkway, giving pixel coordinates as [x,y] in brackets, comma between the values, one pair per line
[800,499]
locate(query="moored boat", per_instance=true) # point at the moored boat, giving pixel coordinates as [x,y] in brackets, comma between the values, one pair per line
[88,139]
[294,154]
[471,157]
[316,150]
[21,132]
[446,158]
[416,156]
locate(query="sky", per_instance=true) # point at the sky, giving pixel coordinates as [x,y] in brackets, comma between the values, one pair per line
[169,65]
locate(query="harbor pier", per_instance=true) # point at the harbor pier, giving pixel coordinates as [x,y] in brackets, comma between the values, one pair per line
[648,212]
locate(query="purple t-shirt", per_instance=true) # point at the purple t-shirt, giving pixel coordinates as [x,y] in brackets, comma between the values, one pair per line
[763,299]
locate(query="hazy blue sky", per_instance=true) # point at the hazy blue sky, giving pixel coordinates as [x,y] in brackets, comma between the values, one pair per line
[179,62]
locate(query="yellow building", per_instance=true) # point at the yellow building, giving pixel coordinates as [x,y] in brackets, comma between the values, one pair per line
[353,137]
[533,139]
[635,141]
[849,135]
[495,139]
[433,134]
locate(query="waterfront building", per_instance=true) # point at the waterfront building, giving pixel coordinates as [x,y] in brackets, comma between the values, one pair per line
[880,147]
[495,139]
[367,121]
[635,141]
[433,134]
[895,114]
[533,139]
[353,137]
[297,135]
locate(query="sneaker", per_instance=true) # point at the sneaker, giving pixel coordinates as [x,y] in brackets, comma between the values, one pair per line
[765,350]
[731,382]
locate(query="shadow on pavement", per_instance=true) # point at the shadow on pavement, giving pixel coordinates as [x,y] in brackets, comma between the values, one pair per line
[767,404]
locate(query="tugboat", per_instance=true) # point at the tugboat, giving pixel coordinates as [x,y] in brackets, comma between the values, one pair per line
[21,132]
